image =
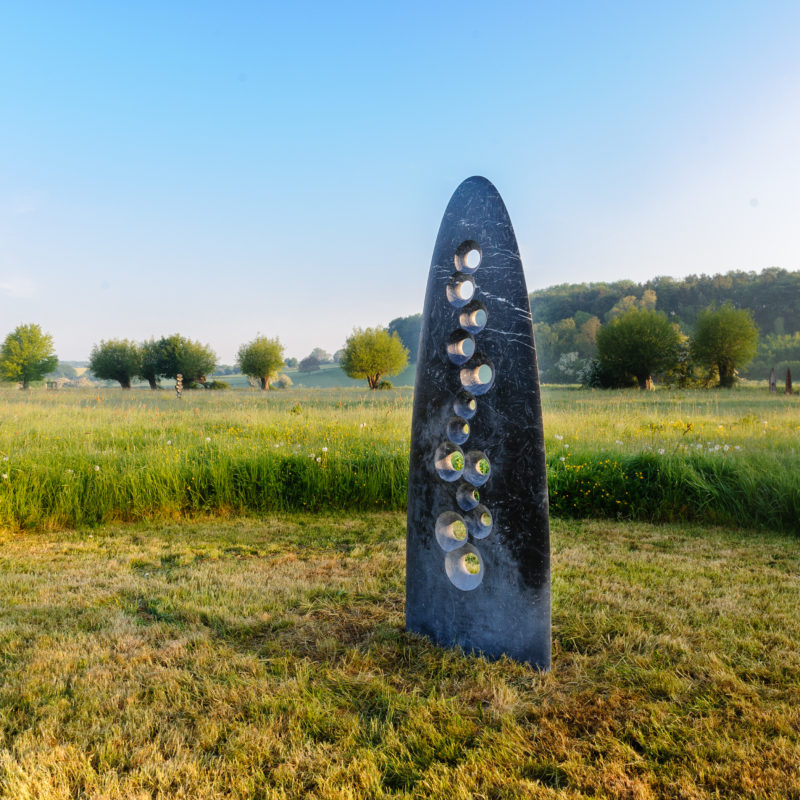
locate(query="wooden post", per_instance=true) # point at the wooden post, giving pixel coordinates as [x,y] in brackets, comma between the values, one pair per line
[788,381]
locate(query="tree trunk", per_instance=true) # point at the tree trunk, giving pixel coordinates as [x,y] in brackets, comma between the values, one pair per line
[125,383]
[725,376]
[25,385]
[264,384]
[788,381]
[645,382]
[152,382]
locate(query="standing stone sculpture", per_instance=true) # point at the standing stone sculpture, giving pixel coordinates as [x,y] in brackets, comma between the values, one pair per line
[478,543]
[788,380]
[773,386]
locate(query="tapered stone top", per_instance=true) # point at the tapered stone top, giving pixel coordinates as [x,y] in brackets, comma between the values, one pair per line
[478,552]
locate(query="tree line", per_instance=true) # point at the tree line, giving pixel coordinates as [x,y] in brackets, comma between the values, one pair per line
[571,321]
[567,317]
[28,355]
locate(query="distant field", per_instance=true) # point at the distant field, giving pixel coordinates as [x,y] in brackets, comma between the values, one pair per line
[266,658]
[77,457]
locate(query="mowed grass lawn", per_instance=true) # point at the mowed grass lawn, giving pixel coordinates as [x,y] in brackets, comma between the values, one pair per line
[266,658]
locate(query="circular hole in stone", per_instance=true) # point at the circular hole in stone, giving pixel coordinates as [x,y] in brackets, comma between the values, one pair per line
[465,405]
[464,567]
[460,290]
[479,522]
[460,347]
[477,468]
[458,430]
[472,563]
[451,531]
[449,461]
[479,378]
[468,256]
[467,497]
[473,318]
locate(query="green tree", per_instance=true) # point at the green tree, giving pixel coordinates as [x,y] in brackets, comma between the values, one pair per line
[116,360]
[373,352]
[262,358]
[724,339]
[638,343]
[27,355]
[150,361]
[181,356]
[308,364]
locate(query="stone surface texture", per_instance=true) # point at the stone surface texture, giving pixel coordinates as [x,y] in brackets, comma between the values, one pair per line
[478,549]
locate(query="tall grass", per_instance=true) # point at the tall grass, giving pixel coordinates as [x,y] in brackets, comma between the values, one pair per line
[74,458]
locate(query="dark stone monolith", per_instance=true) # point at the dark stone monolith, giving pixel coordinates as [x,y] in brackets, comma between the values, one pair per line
[478,547]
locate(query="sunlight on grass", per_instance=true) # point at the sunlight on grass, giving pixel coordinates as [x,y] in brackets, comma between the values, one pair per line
[267,658]
[80,457]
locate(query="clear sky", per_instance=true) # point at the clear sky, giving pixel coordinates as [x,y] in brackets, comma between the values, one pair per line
[227,169]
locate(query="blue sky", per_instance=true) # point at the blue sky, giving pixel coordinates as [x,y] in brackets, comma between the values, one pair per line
[227,169]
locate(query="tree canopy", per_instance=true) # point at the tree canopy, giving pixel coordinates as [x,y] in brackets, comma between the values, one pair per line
[261,359]
[373,352]
[638,343]
[116,360]
[725,339]
[178,355]
[27,355]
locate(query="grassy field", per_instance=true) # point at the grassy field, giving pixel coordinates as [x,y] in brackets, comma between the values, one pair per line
[266,658]
[86,457]
[79,457]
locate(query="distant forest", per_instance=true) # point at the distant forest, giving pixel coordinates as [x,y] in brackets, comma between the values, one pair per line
[567,317]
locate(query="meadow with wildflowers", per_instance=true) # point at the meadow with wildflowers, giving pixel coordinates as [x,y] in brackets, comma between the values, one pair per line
[86,457]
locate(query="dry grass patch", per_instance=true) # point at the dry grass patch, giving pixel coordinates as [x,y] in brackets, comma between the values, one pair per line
[266,658]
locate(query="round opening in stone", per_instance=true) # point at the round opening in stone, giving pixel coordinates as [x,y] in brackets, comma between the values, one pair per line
[479,522]
[473,318]
[451,531]
[468,256]
[477,468]
[465,405]
[479,378]
[460,347]
[472,563]
[458,430]
[449,462]
[467,497]
[459,290]
[464,567]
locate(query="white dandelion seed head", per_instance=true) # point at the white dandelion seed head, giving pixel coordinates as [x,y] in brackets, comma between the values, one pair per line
[97,468]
